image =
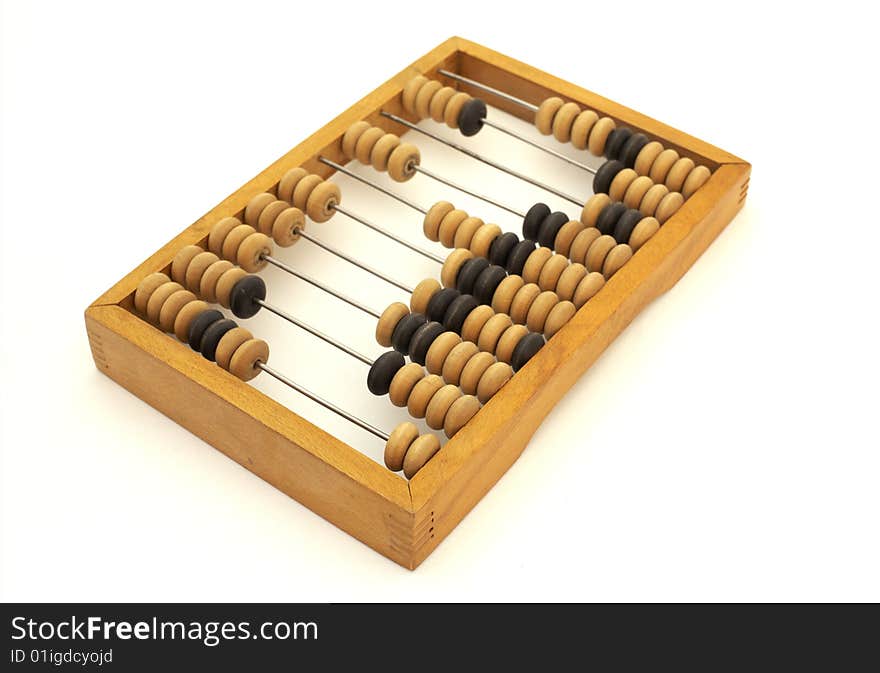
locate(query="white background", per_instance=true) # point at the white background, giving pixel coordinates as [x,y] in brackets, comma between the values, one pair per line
[723,448]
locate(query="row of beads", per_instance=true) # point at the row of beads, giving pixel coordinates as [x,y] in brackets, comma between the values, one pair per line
[423,98]
[372,145]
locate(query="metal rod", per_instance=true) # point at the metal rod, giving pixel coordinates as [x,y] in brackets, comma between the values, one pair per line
[375,185]
[348,300]
[543,148]
[482,197]
[394,237]
[311,330]
[324,403]
[489,89]
[479,157]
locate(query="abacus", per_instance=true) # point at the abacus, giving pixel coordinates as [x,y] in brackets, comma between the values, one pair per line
[494,338]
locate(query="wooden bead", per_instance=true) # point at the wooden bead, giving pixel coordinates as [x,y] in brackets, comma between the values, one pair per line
[678,173]
[171,307]
[321,204]
[450,225]
[219,232]
[465,233]
[473,370]
[646,157]
[456,360]
[207,289]
[587,288]
[552,271]
[349,142]
[508,342]
[382,151]
[505,292]
[228,344]
[146,288]
[419,453]
[453,264]
[483,238]
[434,217]
[695,179]
[410,91]
[493,380]
[580,129]
[534,263]
[421,394]
[559,315]
[291,178]
[669,205]
[545,114]
[403,383]
[540,309]
[593,207]
[646,228]
[566,236]
[181,261]
[388,321]
[563,121]
[256,206]
[568,281]
[269,214]
[621,183]
[462,410]
[492,331]
[636,191]
[422,103]
[363,149]
[234,239]
[662,164]
[475,321]
[246,357]
[619,255]
[185,316]
[599,135]
[400,439]
[304,190]
[522,302]
[158,298]
[439,351]
[438,103]
[422,294]
[252,250]
[582,243]
[287,226]
[453,109]
[226,282]
[598,252]
[652,199]
[439,405]
[402,162]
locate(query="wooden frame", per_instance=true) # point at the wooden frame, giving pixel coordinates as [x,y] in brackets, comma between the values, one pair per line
[406,520]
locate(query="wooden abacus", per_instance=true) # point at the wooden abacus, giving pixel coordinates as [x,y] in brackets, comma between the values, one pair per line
[659,202]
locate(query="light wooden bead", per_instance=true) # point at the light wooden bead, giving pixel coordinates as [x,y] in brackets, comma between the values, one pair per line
[287,226]
[646,228]
[508,342]
[522,302]
[466,231]
[636,191]
[566,236]
[587,288]
[646,157]
[594,205]
[678,173]
[219,232]
[146,288]
[439,405]
[421,395]
[402,162]
[546,113]
[563,121]
[461,411]
[534,263]
[186,315]
[234,239]
[382,151]
[439,350]
[322,202]
[453,109]
[473,370]
[208,283]
[424,96]
[349,142]
[400,439]
[559,315]
[434,217]
[388,321]
[621,183]
[228,344]
[492,331]
[450,225]
[695,179]
[363,149]
[598,252]
[410,91]
[158,299]
[422,294]
[582,243]
[618,256]
[438,103]
[171,308]
[493,380]
[483,238]
[246,357]
[255,207]
[251,252]
[669,205]
[540,309]
[181,261]
[453,264]
[475,322]
[304,190]
[269,214]
[662,164]
[580,129]
[225,284]
[456,360]
[572,275]
[652,199]
[403,383]
[599,135]
[419,453]
[551,272]
[291,178]
[505,292]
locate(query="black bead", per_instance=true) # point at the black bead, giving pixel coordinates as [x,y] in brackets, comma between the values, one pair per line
[382,371]
[244,295]
[530,344]
[212,336]
[630,151]
[550,227]
[468,274]
[402,334]
[532,221]
[470,119]
[487,283]
[500,249]
[422,339]
[608,217]
[605,175]
[438,304]
[625,225]
[518,257]
[458,312]
[198,326]
[616,140]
